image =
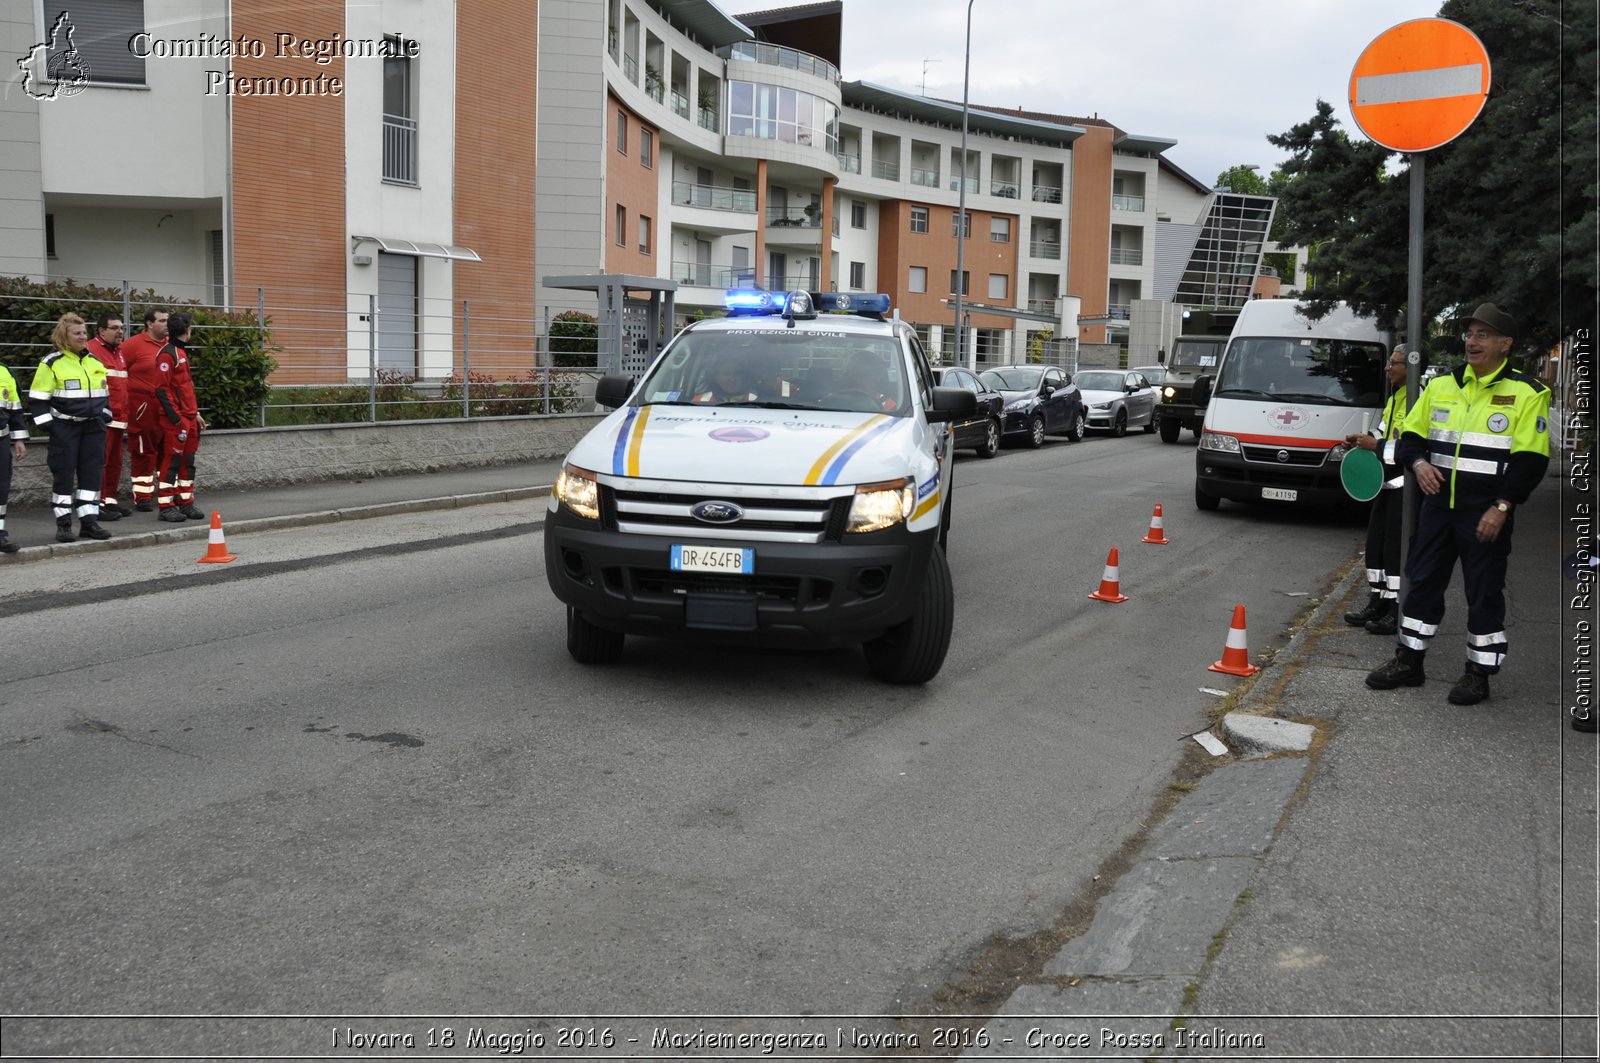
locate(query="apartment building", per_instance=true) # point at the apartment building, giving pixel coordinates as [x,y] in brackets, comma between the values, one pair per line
[359,172]
[735,152]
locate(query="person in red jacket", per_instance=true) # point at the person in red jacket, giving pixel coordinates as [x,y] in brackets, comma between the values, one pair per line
[144,426]
[107,346]
[180,422]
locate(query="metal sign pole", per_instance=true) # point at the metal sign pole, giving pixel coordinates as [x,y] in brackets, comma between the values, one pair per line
[1408,500]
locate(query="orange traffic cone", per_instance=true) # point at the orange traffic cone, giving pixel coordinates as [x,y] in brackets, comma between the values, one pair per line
[1110,590]
[217,551]
[1156,535]
[1235,657]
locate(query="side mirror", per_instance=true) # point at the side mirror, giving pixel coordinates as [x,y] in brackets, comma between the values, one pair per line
[949,404]
[1202,389]
[613,390]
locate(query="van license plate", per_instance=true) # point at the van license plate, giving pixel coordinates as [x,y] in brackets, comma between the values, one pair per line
[1279,494]
[740,560]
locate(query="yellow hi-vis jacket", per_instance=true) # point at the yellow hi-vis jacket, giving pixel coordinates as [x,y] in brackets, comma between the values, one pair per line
[1390,427]
[13,421]
[1490,436]
[69,387]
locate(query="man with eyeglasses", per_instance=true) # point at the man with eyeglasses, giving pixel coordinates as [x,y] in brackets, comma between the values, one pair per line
[1478,440]
[1381,616]
[107,346]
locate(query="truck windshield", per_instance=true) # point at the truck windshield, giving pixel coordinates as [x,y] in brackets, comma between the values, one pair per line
[1196,354]
[1316,371]
[781,369]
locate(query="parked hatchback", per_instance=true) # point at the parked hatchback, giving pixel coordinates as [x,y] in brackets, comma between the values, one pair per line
[981,430]
[1040,400]
[1118,399]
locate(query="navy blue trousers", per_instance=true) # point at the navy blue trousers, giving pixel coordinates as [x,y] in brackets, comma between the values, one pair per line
[1444,536]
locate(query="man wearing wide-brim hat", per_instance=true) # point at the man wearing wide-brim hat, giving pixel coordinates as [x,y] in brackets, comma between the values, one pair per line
[1478,442]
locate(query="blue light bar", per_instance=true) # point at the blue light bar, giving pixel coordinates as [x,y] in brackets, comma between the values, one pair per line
[753,301]
[854,302]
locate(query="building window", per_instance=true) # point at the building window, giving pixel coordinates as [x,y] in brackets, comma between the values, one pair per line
[858,214]
[966,277]
[622,132]
[919,219]
[998,285]
[622,225]
[100,33]
[961,226]
[917,279]
[50,236]
[1000,230]
[858,276]
[644,235]
[399,121]
[771,112]
[646,148]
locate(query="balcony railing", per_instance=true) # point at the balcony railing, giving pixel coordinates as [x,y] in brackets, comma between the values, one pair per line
[1045,248]
[1134,203]
[1003,189]
[680,104]
[890,171]
[792,281]
[707,275]
[1127,256]
[1042,306]
[926,178]
[849,163]
[1119,311]
[399,149]
[655,90]
[781,218]
[708,119]
[630,68]
[788,58]
[713,197]
[955,184]
[1046,194]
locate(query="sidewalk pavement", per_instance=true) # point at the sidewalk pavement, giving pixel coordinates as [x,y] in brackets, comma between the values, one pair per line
[265,508]
[1421,881]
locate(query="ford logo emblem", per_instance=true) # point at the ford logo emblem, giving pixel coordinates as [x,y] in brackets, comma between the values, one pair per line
[1283,455]
[716,512]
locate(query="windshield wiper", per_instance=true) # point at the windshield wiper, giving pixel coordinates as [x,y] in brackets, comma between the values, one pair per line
[1241,391]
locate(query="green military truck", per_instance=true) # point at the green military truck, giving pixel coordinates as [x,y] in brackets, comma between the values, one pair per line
[1191,369]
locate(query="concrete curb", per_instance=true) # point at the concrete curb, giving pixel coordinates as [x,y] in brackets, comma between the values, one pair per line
[201,530]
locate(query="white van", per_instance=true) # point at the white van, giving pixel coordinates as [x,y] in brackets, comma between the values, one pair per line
[1287,393]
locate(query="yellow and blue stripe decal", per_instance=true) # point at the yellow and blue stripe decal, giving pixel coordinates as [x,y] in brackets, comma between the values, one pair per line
[827,468]
[625,458]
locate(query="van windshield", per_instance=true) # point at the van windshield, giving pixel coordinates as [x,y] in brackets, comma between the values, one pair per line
[1322,372]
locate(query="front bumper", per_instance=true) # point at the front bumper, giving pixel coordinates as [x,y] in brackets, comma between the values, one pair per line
[1224,475]
[819,592]
[1017,422]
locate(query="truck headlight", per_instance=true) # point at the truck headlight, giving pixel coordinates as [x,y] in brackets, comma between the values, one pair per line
[576,489]
[1218,441]
[1169,392]
[879,506]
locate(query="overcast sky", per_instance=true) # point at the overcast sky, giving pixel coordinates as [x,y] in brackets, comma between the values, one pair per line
[1216,76]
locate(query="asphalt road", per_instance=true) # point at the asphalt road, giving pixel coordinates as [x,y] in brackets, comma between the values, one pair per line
[362,776]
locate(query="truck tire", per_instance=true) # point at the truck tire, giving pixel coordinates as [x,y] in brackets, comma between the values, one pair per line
[913,651]
[589,644]
[1170,429]
[1203,500]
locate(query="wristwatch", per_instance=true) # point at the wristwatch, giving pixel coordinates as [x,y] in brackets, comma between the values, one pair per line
[1502,505]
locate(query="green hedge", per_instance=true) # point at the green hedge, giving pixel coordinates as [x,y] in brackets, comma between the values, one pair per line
[574,339]
[400,398]
[232,354]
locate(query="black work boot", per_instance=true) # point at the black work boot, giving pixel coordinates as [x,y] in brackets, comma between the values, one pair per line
[190,510]
[9,547]
[1371,611]
[1386,622]
[64,530]
[1405,670]
[110,513]
[90,528]
[173,515]
[143,507]
[1472,687]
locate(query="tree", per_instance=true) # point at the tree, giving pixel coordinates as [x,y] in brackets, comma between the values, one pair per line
[1243,179]
[1510,204]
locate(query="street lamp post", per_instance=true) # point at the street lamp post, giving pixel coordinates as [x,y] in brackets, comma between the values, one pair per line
[961,212]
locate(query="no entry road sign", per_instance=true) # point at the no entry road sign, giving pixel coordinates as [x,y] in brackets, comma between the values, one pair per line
[1420,84]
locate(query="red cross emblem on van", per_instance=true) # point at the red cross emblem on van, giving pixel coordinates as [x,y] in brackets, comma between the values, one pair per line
[1289,418]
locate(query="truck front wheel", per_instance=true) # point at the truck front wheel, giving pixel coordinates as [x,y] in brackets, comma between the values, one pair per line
[913,651]
[1170,427]
[589,644]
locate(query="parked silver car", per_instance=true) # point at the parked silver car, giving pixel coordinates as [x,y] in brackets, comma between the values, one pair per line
[1117,400]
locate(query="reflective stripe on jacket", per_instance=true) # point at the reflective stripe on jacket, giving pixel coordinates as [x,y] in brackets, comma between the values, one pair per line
[1490,437]
[13,418]
[70,387]
[1388,432]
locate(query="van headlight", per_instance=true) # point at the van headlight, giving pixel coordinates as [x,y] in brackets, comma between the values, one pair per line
[576,489]
[1338,452]
[1218,441]
[879,506]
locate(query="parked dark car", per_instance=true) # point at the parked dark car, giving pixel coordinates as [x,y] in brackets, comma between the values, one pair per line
[982,430]
[1040,400]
